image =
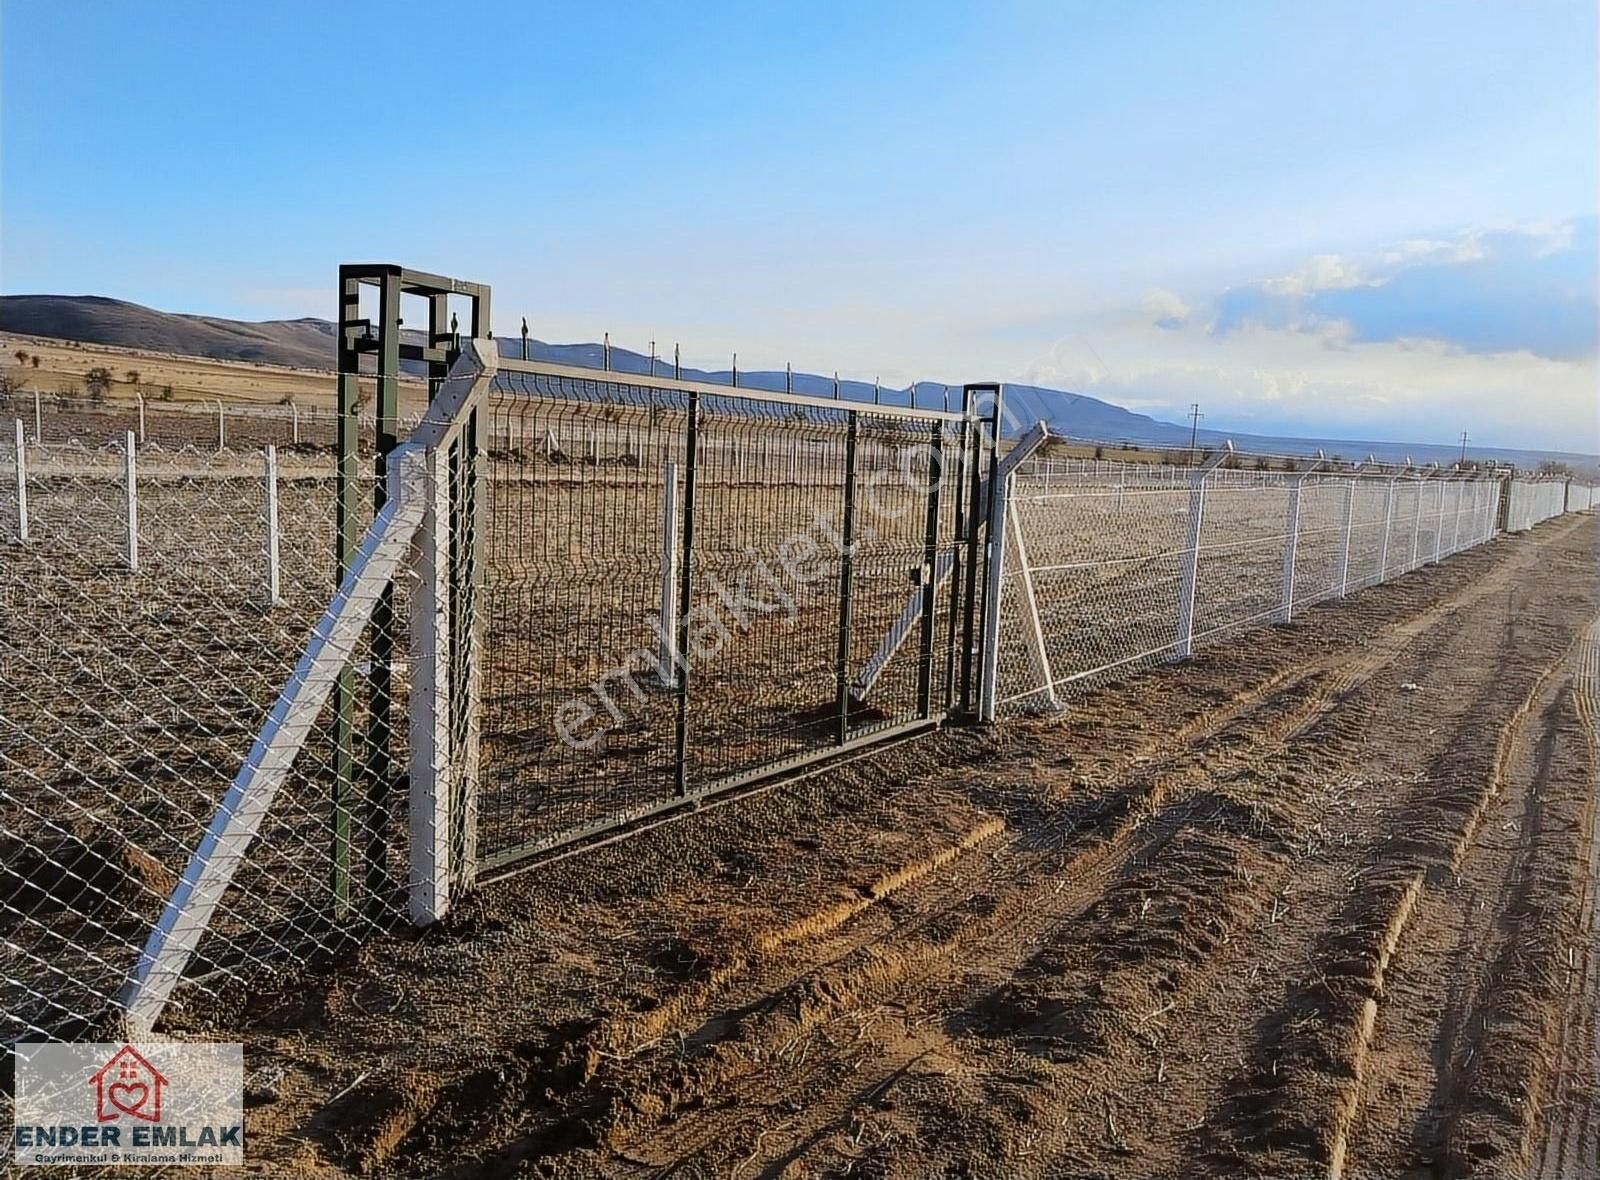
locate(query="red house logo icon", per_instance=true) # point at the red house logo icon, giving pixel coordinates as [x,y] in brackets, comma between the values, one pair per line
[127,1085]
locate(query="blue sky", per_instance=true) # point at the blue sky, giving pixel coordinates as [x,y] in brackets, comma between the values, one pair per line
[1357,219]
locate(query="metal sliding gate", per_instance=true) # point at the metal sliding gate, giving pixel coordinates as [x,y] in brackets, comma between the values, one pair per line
[687,587]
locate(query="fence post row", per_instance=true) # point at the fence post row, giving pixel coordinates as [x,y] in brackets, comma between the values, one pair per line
[22,486]
[131,483]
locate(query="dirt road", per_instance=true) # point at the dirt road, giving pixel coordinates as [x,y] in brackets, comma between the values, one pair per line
[1321,902]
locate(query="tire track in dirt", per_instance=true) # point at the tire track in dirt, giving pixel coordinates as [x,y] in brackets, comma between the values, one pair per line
[1034,917]
[1570,1143]
[777,1017]
[1319,1041]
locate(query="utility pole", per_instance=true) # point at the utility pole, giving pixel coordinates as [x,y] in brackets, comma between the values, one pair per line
[1194,429]
[1463,448]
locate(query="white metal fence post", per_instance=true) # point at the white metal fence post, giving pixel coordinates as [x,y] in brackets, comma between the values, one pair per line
[222,433]
[22,485]
[1291,545]
[1416,528]
[294,424]
[1439,523]
[1190,575]
[668,628]
[131,475]
[1344,540]
[274,598]
[1388,524]
[140,396]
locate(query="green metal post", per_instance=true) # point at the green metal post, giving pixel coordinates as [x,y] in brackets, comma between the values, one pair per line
[685,588]
[378,771]
[930,578]
[347,531]
[846,582]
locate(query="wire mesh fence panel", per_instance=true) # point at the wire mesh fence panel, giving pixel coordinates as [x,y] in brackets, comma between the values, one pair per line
[1321,542]
[1239,572]
[1115,569]
[579,682]
[141,653]
[1105,557]
[688,586]
[1371,502]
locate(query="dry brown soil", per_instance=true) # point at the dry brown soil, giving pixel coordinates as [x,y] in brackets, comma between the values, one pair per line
[1320,901]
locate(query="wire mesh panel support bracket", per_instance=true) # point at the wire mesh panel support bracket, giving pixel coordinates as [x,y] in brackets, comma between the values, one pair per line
[989,646]
[1189,574]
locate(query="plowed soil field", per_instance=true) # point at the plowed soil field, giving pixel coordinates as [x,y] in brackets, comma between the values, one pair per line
[1319,902]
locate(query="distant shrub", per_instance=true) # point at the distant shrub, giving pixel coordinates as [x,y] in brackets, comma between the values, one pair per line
[98,382]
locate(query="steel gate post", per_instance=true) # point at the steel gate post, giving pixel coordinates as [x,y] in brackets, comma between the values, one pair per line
[685,587]
[846,580]
[378,771]
[980,442]
[347,528]
[929,573]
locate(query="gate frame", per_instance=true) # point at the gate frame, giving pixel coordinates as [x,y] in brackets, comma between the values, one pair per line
[368,786]
[978,432]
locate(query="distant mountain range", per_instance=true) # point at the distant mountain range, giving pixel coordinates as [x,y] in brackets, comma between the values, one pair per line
[309,344]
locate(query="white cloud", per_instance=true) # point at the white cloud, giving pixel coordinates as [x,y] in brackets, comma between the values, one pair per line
[1166,310]
[1324,272]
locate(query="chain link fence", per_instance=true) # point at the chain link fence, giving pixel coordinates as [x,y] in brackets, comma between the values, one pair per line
[168,571]
[1108,566]
[156,600]
[1530,501]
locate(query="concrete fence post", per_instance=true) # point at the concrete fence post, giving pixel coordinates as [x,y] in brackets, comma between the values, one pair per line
[222,432]
[294,424]
[131,483]
[38,419]
[274,598]
[667,630]
[22,485]
[140,396]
